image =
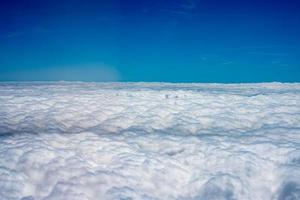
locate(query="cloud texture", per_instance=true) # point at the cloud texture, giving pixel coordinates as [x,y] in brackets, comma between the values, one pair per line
[91,141]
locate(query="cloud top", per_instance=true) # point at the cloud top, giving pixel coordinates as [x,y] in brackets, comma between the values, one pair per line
[71,140]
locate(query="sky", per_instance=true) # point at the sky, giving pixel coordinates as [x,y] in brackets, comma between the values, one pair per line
[225,41]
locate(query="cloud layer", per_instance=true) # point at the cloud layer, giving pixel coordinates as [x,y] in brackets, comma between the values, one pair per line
[149,141]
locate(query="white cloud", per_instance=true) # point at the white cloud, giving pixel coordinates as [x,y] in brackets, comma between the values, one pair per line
[149,141]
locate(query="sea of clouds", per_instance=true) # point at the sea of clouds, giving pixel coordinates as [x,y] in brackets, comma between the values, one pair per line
[88,141]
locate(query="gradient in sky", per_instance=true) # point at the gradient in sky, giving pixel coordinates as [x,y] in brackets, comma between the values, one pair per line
[151,40]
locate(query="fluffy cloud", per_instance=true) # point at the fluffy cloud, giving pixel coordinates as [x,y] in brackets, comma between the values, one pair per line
[149,141]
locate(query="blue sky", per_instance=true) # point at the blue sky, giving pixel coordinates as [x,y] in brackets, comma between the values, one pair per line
[151,40]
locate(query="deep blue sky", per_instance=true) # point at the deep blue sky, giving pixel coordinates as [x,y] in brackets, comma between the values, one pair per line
[150,40]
